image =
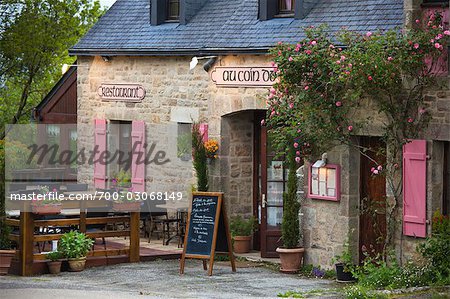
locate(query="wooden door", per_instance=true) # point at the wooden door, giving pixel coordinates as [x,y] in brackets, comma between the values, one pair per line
[272,180]
[372,225]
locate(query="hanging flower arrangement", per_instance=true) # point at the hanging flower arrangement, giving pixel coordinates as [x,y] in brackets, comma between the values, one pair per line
[212,147]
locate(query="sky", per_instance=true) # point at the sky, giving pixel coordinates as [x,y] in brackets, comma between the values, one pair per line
[107,3]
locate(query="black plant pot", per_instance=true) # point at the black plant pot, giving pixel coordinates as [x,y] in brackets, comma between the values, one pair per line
[343,276]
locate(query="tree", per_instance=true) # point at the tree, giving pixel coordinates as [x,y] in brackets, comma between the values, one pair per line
[35,36]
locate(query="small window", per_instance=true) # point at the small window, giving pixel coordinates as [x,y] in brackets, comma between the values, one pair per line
[286,7]
[173,10]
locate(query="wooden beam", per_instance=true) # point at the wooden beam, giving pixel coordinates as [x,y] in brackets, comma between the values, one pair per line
[103,220]
[134,237]
[26,243]
[13,222]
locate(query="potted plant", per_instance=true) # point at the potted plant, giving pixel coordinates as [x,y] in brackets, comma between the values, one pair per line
[54,265]
[121,180]
[241,231]
[291,254]
[75,246]
[6,254]
[127,202]
[344,265]
[211,147]
[43,204]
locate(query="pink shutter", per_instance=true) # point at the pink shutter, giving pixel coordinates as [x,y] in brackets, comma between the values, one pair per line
[100,144]
[204,131]
[138,158]
[414,188]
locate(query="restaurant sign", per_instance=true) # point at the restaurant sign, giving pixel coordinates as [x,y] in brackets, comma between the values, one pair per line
[121,92]
[243,76]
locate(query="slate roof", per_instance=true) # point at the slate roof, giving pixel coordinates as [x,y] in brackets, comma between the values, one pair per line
[226,26]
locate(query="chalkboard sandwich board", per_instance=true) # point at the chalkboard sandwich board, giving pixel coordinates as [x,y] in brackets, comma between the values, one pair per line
[207,230]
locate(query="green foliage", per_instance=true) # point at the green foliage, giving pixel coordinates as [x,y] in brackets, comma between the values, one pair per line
[74,245]
[290,229]
[54,256]
[199,158]
[122,179]
[242,227]
[313,271]
[5,231]
[436,248]
[360,292]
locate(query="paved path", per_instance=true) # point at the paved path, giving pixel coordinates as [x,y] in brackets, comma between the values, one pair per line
[159,279]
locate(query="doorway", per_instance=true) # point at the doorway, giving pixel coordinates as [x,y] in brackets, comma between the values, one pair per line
[372,219]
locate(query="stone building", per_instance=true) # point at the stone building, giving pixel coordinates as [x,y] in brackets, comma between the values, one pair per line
[134,70]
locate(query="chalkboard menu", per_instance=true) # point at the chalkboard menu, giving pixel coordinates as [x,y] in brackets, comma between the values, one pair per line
[207,230]
[201,225]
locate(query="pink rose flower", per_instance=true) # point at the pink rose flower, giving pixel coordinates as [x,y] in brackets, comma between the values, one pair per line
[338,104]
[410,120]
[417,21]
[263,122]
[416,46]
[308,52]
[306,87]
[370,78]
[297,153]
[372,169]
[313,43]
[296,144]
[290,58]
[390,58]
[375,171]
[291,105]
[338,62]
[369,34]
[280,43]
[437,45]
[350,128]
[447,32]
[297,159]
[380,168]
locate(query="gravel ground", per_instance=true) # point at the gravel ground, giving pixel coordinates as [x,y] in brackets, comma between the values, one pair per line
[161,279]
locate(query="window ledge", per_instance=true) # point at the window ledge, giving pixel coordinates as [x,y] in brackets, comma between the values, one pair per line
[284,15]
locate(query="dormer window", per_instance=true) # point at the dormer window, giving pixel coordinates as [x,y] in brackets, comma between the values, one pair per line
[173,10]
[286,7]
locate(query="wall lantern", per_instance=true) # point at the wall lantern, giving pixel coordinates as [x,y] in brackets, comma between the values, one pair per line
[324,180]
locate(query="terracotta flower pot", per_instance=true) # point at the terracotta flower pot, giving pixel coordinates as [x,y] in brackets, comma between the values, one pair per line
[6,257]
[291,259]
[54,267]
[242,244]
[52,209]
[77,265]
[131,206]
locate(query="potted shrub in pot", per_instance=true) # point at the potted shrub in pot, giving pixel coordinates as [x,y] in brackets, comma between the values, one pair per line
[75,246]
[54,265]
[127,202]
[291,254]
[344,265]
[6,254]
[241,232]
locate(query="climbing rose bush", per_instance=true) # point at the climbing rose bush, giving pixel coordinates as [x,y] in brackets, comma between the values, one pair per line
[320,96]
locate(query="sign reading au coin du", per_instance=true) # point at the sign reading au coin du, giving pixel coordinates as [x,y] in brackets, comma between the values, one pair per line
[243,76]
[121,92]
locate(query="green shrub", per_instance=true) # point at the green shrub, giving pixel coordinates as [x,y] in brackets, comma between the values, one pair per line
[242,227]
[54,256]
[360,292]
[199,158]
[290,229]
[5,231]
[74,245]
[436,248]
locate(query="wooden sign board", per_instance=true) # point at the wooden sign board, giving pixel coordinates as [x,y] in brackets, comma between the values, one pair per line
[207,230]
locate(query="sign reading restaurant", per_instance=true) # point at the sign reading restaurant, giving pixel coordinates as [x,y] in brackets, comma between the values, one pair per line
[121,92]
[243,76]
